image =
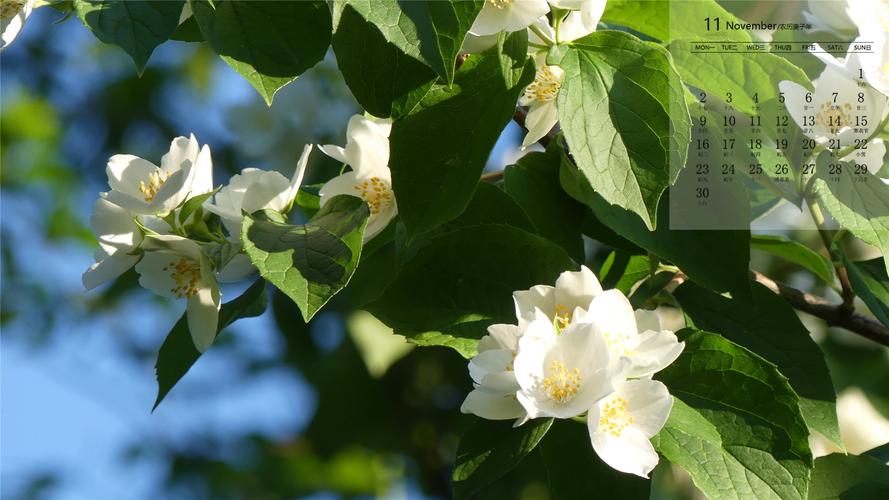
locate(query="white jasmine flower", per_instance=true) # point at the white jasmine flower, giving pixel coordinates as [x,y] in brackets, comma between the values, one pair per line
[176,267]
[508,15]
[832,114]
[868,15]
[255,189]
[829,16]
[573,290]
[875,63]
[144,188]
[648,349]
[540,97]
[367,152]
[13,14]
[118,236]
[562,374]
[581,21]
[494,395]
[473,44]
[622,424]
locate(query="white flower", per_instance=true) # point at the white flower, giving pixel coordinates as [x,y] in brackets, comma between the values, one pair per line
[118,236]
[832,114]
[507,15]
[870,16]
[622,424]
[494,381]
[540,97]
[580,22]
[367,152]
[254,189]
[573,290]
[829,16]
[176,267]
[13,14]
[562,374]
[473,44]
[875,63]
[648,349]
[144,188]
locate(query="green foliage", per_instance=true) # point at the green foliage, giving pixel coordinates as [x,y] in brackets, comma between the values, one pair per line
[136,26]
[489,449]
[178,354]
[671,20]
[429,307]
[848,476]
[735,425]
[438,152]
[312,262]
[625,153]
[796,252]
[870,282]
[269,43]
[769,327]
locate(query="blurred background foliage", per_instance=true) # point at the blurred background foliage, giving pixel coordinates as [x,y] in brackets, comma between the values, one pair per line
[340,408]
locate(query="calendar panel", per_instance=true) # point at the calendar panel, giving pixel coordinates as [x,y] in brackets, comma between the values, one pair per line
[780,111]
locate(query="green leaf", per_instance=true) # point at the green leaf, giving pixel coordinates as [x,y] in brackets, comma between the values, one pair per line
[439,151]
[735,424]
[492,205]
[770,327]
[576,472]
[849,476]
[178,354]
[489,449]
[622,110]
[429,31]
[622,270]
[193,204]
[136,26]
[463,281]
[717,259]
[859,201]
[269,43]
[534,183]
[793,251]
[384,80]
[312,262]
[670,20]
[871,284]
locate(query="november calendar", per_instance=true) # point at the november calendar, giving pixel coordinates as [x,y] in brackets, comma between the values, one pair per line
[767,137]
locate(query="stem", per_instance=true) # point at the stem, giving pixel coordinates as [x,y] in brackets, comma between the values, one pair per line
[848,305]
[842,153]
[834,315]
[542,35]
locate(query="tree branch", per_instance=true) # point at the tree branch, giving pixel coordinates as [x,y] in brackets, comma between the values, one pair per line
[834,315]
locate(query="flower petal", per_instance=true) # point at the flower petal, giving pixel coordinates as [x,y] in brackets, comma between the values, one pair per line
[654,352]
[542,297]
[631,452]
[125,172]
[577,289]
[182,150]
[649,402]
[338,153]
[612,314]
[203,316]
[540,120]
[492,405]
[108,269]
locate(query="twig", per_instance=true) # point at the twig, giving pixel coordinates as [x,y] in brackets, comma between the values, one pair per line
[834,315]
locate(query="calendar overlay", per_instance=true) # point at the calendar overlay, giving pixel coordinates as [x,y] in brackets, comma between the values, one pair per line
[754,150]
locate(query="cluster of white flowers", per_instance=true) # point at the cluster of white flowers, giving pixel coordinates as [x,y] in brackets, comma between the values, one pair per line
[140,221]
[577,349]
[572,19]
[850,98]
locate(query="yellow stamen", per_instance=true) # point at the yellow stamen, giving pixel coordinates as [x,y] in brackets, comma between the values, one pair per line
[155,180]
[500,4]
[377,193]
[561,384]
[186,274]
[834,116]
[545,86]
[614,417]
[562,318]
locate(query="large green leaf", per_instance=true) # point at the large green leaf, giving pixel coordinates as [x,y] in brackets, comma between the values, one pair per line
[870,282]
[136,26]
[178,354]
[848,476]
[461,282]
[622,270]
[383,79]
[268,42]
[796,252]
[717,259]
[489,449]
[430,31]
[534,183]
[667,21]
[576,472]
[439,151]
[735,425]
[312,262]
[770,327]
[857,199]
[622,110]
